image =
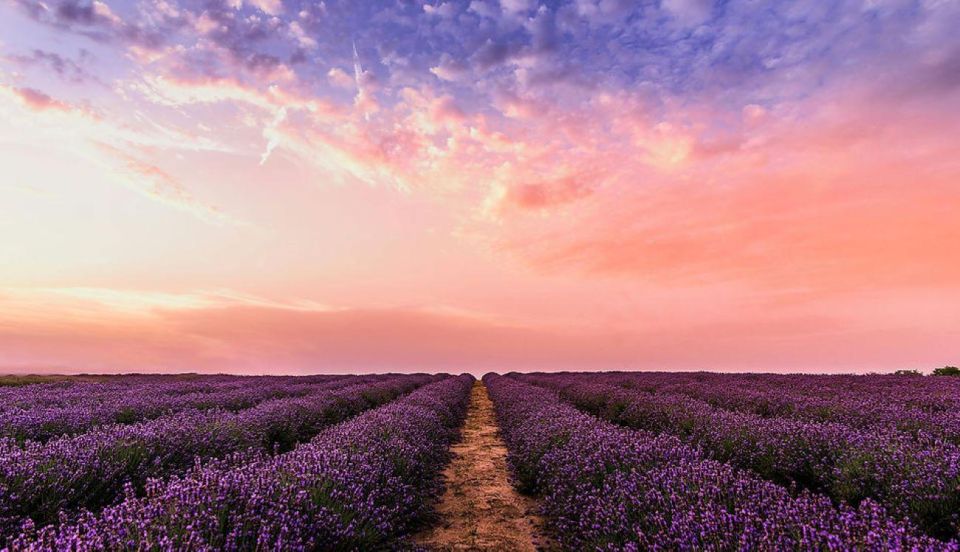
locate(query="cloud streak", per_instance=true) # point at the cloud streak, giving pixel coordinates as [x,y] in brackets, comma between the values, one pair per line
[212,332]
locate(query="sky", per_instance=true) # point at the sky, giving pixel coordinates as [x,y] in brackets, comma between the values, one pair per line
[280,186]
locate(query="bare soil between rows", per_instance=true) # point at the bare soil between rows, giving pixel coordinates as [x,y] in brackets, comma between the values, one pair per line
[480,510]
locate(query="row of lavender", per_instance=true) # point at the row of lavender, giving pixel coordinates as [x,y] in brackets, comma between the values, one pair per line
[359,485]
[68,390]
[915,391]
[40,483]
[43,412]
[921,407]
[914,479]
[77,390]
[605,487]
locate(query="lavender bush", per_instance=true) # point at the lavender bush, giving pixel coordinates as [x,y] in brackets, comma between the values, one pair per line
[40,415]
[39,481]
[919,407]
[360,485]
[915,480]
[609,488]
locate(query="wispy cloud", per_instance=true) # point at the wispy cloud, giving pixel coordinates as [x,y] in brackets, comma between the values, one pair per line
[38,101]
[66,68]
[159,185]
[110,144]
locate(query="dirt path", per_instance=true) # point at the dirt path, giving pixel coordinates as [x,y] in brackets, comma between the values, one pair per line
[480,510]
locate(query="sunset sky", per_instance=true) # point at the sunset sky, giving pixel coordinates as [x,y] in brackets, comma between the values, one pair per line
[276,186]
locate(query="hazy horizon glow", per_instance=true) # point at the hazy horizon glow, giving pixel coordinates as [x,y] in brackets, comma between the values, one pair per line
[273,186]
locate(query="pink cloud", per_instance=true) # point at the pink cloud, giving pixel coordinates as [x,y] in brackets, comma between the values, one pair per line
[846,196]
[253,339]
[548,193]
[39,101]
[339,78]
[271,7]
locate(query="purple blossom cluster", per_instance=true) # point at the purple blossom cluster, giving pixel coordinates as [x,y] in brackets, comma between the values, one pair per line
[42,482]
[605,487]
[43,414]
[915,479]
[359,485]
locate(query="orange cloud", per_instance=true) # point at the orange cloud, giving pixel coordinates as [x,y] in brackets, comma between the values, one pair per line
[238,337]
[844,197]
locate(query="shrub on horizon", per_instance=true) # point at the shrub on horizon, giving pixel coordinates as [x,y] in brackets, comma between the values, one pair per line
[947,371]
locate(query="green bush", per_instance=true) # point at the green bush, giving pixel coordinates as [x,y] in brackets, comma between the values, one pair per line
[907,373]
[947,371]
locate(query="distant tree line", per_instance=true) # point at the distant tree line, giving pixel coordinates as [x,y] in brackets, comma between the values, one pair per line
[945,371]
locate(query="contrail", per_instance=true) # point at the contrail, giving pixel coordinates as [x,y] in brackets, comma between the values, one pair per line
[272,134]
[361,99]
[357,68]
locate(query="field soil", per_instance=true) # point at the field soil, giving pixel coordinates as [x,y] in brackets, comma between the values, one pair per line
[480,510]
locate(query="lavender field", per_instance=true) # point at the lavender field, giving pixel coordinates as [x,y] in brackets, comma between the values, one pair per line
[561,461]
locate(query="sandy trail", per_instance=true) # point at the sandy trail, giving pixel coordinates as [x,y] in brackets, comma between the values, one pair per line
[480,510]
